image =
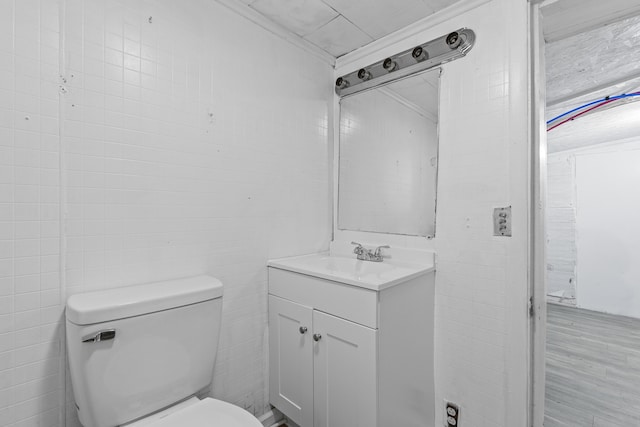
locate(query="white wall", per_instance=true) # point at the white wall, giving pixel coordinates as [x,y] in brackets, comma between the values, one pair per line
[562,235]
[481,281]
[194,143]
[608,229]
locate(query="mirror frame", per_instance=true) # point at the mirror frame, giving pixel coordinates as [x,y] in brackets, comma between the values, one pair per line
[338,150]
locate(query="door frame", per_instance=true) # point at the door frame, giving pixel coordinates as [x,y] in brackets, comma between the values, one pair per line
[537,226]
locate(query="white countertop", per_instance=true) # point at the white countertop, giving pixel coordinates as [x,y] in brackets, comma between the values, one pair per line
[377,276]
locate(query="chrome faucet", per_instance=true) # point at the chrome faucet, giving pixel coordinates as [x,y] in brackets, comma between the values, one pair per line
[365,254]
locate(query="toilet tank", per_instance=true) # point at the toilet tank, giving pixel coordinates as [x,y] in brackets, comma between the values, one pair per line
[138,349]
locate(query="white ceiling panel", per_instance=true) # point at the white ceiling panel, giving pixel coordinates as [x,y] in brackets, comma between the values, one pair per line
[597,62]
[564,18]
[339,37]
[381,17]
[299,16]
[340,26]
[593,60]
[440,4]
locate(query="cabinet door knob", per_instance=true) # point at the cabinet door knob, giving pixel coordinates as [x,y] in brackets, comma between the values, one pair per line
[317,337]
[303,329]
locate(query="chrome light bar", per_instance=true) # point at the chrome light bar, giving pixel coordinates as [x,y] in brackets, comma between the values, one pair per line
[427,55]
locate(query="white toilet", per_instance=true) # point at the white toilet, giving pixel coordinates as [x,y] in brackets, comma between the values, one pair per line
[138,355]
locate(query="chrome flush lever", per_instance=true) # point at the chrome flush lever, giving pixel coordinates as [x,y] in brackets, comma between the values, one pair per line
[105,335]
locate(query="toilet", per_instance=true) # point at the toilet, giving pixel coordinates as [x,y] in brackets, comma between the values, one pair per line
[139,355]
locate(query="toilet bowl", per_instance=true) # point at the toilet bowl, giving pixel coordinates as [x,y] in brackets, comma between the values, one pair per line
[200,413]
[138,355]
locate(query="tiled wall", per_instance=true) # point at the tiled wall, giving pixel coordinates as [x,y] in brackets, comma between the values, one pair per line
[481,281]
[30,363]
[191,141]
[561,226]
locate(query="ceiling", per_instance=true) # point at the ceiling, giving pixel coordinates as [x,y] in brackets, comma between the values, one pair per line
[565,18]
[616,124]
[601,60]
[593,60]
[593,49]
[341,26]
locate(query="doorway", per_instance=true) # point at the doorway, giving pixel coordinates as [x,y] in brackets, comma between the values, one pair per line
[588,282]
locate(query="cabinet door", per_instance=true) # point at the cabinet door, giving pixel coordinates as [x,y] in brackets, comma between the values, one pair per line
[291,360]
[345,382]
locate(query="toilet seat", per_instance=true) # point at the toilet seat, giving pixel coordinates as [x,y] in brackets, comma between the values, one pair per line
[208,413]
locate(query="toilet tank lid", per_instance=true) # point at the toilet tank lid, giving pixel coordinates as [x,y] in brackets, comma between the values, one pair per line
[119,303]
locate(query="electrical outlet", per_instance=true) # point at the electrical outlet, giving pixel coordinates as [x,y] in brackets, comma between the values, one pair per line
[451,414]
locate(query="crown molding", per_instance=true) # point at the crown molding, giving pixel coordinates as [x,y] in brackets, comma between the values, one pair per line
[398,36]
[255,17]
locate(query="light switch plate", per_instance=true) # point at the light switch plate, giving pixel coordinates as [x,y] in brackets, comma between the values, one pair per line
[502,221]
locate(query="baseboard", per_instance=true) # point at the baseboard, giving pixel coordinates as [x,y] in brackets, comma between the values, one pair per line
[569,302]
[270,418]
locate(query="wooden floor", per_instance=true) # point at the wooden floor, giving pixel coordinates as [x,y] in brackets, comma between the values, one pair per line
[593,369]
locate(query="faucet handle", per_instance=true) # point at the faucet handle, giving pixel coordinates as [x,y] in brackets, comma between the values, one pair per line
[359,249]
[379,249]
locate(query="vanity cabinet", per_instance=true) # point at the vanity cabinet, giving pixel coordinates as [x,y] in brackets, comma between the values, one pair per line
[314,354]
[346,356]
[291,359]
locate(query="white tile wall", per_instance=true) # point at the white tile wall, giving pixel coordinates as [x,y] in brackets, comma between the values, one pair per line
[30,363]
[561,225]
[191,141]
[481,280]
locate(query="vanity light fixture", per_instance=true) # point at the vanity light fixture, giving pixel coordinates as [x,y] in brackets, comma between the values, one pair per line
[423,57]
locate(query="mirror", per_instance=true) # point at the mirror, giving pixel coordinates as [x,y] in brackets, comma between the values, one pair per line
[388,157]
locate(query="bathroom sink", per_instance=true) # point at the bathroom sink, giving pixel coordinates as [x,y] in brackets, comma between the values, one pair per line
[349,270]
[349,266]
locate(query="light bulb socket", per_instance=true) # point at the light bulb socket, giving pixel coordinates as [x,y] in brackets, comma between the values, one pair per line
[363,74]
[342,83]
[389,65]
[419,54]
[453,40]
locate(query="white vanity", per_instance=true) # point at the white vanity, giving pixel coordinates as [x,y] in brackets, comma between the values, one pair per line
[351,342]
